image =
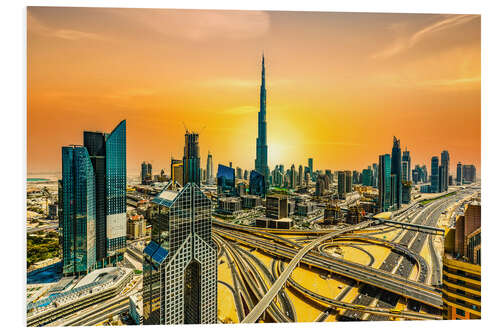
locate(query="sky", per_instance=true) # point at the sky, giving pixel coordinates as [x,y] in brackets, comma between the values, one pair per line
[339,85]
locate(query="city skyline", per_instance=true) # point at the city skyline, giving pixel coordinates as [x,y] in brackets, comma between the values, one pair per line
[312,112]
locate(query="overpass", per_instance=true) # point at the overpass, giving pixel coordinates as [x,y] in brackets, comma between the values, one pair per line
[418,227]
[266,300]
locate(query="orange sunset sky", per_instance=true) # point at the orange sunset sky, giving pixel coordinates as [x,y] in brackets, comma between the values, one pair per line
[339,85]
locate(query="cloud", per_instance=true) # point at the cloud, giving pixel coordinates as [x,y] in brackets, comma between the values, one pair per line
[405,43]
[199,25]
[37,27]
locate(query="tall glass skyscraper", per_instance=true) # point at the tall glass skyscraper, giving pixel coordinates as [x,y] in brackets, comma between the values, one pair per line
[108,155]
[191,160]
[435,174]
[459,173]
[257,183]
[384,182]
[445,162]
[261,160]
[78,211]
[396,170]
[406,157]
[210,169]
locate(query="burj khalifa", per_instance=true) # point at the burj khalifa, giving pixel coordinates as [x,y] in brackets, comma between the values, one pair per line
[261,161]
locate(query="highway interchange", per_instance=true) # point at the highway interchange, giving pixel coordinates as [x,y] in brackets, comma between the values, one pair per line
[405,285]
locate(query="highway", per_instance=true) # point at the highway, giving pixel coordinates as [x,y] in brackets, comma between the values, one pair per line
[402,266]
[264,302]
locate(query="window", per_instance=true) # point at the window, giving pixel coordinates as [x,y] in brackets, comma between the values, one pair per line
[460,312]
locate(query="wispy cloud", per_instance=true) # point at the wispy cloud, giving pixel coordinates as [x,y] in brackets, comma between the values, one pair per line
[455,82]
[404,43]
[37,27]
[202,24]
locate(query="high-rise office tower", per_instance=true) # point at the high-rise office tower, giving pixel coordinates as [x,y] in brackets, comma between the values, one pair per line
[441,179]
[245,175]
[445,162]
[210,168]
[396,169]
[144,172]
[191,160]
[406,158]
[393,190]
[261,160]
[226,181]
[424,174]
[239,173]
[108,155]
[301,176]
[367,177]
[469,173]
[180,262]
[150,171]
[384,182]
[78,211]
[459,173]
[176,171]
[293,177]
[404,171]
[257,184]
[435,174]
[375,174]
[341,186]
[348,181]
[310,166]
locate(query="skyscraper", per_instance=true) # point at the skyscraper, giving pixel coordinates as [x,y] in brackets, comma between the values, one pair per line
[293,177]
[78,211]
[406,158]
[445,162]
[261,160]
[384,182]
[341,184]
[348,181]
[180,262]
[144,172]
[310,166]
[257,184]
[301,176]
[210,168]
[108,155]
[459,173]
[435,174]
[396,169]
[191,160]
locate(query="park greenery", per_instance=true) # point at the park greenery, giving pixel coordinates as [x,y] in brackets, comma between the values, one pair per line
[42,246]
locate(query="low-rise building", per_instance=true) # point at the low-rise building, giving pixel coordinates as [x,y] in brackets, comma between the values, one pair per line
[251,201]
[228,205]
[136,227]
[135,308]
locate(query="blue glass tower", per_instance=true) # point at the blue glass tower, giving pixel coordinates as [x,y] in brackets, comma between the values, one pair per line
[191,160]
[396,170]
[226,181]
[78,211]
[116,191]
[257,184]
[435,174]
[108,155]
[384,182]
[261,160]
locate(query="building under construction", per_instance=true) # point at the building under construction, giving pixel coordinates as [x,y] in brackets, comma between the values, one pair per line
[333,213]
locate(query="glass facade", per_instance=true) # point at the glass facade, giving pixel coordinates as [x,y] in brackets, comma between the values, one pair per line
[257,183]
[384,182]
[180,283]
[95,142]
[225,181]
[191,160]
[78,214]
[396,170]
[116,190]
[435,174]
